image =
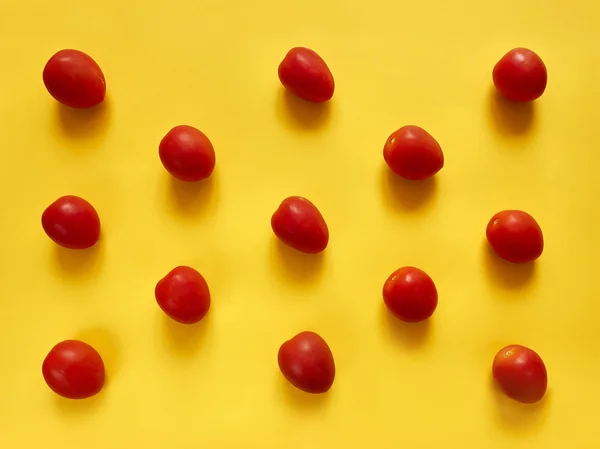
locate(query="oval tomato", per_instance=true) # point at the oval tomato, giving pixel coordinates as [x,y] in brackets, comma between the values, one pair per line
[187,154]
[183,295]
[520,75]
[412,153]
[515,236]
[298,223]
[304,73]
[73,369]
[521,374]
[307,363]
[72,222]
[74,79]
[410,294]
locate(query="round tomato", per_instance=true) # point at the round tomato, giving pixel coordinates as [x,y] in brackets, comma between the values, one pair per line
[74,370]
[515,236]
[183,295]
[304,73]
[521,374]
[187,154]
[74,79]
[298,223]
[410,294]
[412,153]
[72,222]
[307,363]
[520,75]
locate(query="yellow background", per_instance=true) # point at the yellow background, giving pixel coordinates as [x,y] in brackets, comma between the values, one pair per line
[213,64]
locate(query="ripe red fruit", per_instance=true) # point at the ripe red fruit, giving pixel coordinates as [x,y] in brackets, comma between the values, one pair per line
[515,236]
[307,363]
[298,223]
[187,154]
[74,370]
[304,73]
[520,75]
[183,295]
[412,153]
[520,372]
[72,222]
[74,79]
[410,294]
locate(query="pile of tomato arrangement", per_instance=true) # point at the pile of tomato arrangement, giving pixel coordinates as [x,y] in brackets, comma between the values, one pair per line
[75,370]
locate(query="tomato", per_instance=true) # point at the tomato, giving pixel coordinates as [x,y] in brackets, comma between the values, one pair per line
[187,154]
[74,370]
[72,222]
[298,223]
[183,295]
[521,374]
[410,294]
[307,363]
[520,75]
[304,73]
[74,79]
[515,236]
[412,153]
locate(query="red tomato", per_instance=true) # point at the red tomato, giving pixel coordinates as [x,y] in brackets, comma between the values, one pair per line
[187,154]
[412,153]
[304,73]
[515,236]
[520,75]
[298,223]
[307,363]
[72,222]
[183,295]
[521,374]
[74,370]
[74,79]
[410,294]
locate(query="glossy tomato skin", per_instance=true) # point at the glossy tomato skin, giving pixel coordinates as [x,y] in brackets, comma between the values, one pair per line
[187,154]
[298,223]
[520,372]
[304,73]
[72,222]
[307,363]
[74,79]
[520,75]
[515,236]
[74,369]
[410,294]
[183,295]
[412,153]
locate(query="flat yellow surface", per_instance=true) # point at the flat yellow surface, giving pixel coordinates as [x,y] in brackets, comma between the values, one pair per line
[213,64]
